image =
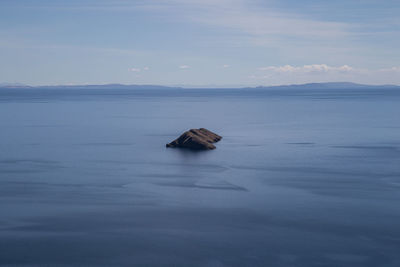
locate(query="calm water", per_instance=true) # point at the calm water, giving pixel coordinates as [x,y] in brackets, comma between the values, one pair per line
[301,178]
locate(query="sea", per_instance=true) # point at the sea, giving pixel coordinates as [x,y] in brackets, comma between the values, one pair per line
[302,177]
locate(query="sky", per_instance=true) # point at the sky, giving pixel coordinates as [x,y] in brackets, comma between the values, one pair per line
[219,43]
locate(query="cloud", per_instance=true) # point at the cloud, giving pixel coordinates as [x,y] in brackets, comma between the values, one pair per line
[184,67]
[139,69]
[321,68]
[260,21]
[135,69]
[226,66]
[391,70]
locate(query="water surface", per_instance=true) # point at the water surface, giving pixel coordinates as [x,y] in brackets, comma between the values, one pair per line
[301,178]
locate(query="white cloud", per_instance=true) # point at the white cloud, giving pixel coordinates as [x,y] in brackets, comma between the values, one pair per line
[246,16]
[307,68]
[184,67]
[139,69]
[254,19]
[226,66]
[392,69]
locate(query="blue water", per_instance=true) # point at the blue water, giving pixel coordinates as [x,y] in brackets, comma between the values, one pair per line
[301,178]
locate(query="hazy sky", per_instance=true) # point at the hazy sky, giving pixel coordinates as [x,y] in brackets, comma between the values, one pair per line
[199,42]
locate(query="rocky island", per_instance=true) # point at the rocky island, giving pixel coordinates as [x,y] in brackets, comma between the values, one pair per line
[196,139]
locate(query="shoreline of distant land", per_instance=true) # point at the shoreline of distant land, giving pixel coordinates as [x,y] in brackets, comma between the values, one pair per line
[327,85]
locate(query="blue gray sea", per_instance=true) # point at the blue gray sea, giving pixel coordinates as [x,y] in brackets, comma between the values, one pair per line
[306,177]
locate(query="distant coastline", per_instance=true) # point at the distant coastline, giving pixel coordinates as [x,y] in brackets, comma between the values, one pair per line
[328,85]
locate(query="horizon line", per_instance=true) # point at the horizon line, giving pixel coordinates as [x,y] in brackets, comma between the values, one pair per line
[187,86]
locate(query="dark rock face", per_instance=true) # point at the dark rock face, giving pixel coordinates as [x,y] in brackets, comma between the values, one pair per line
[197,139]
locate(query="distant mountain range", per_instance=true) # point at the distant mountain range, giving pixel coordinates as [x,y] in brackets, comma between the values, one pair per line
[12,85]
[329,85]
[89,86]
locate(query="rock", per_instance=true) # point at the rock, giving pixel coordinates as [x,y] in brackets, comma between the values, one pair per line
[197,139]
